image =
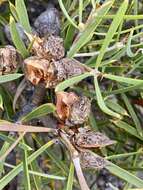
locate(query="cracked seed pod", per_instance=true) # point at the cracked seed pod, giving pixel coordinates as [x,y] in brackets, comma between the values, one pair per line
[9,60]
[90,160]
[51,73]
[86,138]
[51,49]
[72,109]
[48,22]
[39,70]
[67,68]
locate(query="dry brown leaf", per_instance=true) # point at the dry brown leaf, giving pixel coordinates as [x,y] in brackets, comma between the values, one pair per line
[86,138]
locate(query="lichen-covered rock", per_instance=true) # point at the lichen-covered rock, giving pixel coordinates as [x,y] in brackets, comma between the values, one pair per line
[9,59]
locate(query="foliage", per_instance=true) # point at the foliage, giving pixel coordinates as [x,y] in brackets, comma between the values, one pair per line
[107,39]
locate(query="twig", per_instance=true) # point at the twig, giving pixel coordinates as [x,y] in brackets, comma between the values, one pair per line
[118,45]
[25,128]
[76,161]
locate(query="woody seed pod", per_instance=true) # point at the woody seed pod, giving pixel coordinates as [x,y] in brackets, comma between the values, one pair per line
[9,59]
[39,70]
[49,49]
[67,68]
[86,138]
[91,161]
[72,109]
[51,73]
[48,22]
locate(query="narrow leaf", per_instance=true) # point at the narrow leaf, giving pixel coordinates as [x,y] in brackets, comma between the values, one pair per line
[13,11]
[22,15]
[128,128]
[101,102]
[123,79]
[116,107]
[66,14]
[112,30]
[69,82]
[70,177]
[26,171]
[40,111]
[9,77]
[87,34]
[14,172]
[124,174]
[16,39]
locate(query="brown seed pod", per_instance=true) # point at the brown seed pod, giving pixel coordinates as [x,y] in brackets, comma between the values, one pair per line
[64,101]
[90,160]
[51,49]
[67,68]
[51,73]
[72,109]
[86,138]
[9,59]
[39,70]
[48,22]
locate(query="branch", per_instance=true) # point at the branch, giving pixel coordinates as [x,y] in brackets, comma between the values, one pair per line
[76,161]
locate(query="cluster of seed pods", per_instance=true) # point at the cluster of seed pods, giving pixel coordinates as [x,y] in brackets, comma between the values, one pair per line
[48,65]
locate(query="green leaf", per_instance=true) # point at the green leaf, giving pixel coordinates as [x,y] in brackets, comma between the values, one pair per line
[123,79]
[69,82]
[70,177]
[128,128]
[9,77]
[39,174]
[124,174]
[26,171]
[47,175]
[12,140]
[39,111]
[129,51]
[13,11]
[22,15]
[4,148]
[16,39]
[116,107]
[133,114]
[112,30]
[66,13]
[87,34]
[118,156]
[101,102]
[14,172]
[1,102]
